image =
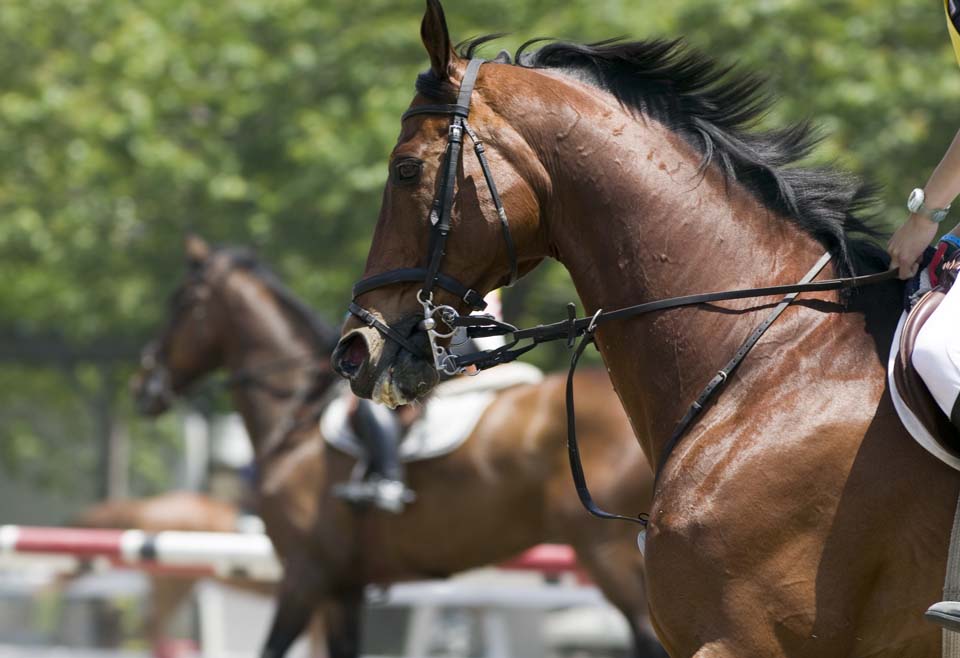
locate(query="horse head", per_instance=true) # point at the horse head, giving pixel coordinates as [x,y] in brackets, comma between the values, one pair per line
[430,194]
[189,344]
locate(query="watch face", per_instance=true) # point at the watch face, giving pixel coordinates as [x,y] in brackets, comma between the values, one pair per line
[915,202]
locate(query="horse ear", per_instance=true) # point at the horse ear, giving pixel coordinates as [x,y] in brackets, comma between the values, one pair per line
[436,39]
[196,248]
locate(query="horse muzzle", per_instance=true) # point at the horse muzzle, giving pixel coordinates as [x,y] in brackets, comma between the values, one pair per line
[381,370]
[152,391]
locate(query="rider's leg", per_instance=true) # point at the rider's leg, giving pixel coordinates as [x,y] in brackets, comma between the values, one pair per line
[381,431]
[936,355]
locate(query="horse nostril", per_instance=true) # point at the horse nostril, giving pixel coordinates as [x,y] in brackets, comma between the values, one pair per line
[352,353]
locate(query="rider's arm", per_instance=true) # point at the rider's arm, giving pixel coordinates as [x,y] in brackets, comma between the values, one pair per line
[907,244]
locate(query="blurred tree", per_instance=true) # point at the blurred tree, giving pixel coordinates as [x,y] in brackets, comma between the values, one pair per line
[268,122]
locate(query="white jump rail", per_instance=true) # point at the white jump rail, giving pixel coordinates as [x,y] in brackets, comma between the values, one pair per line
[247,555]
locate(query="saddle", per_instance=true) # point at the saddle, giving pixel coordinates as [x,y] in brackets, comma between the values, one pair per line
[447,418]
[908,382]
[918,410]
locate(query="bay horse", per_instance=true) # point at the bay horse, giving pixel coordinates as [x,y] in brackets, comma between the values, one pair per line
[175,510]
[504,490]
[795,517]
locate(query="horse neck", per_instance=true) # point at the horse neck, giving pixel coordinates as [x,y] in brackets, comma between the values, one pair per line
[270,349]
[631,219]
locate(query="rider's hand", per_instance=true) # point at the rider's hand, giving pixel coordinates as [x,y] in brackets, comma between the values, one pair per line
[908,243]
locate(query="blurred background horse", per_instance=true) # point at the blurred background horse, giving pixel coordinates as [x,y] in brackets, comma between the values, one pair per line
[505,489]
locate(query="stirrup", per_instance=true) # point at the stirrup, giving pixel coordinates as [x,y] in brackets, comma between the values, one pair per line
[388,495]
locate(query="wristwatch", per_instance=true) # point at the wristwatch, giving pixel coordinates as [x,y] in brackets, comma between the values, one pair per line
[915,205]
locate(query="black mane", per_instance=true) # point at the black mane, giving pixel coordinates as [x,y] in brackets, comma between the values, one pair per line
[324,335]
[715,108]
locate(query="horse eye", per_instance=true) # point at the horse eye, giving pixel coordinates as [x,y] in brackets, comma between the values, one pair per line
[407,171]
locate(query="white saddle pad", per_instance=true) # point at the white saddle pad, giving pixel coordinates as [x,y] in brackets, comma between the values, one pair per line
[907,417]
[448,418]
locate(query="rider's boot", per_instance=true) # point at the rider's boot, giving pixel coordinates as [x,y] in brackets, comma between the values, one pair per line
[946,614]
[380,432]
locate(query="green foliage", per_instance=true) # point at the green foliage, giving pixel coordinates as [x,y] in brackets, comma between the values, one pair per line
[269,122]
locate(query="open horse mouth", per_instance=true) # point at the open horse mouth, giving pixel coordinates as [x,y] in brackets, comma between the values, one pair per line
[350,355]
[380,370]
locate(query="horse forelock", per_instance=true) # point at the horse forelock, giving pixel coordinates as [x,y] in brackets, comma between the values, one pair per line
[716,109]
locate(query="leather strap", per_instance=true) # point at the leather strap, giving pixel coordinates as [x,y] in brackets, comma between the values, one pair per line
[564,329]
[371,320]
[441,220]
[443,205]
[497,203]
[290,423]
[440,210]
[576,468]
[724,373]
[573,448]
[449,108]
[416,274]
[467,84]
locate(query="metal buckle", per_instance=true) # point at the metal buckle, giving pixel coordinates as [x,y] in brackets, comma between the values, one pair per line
[443,360]
[593,321]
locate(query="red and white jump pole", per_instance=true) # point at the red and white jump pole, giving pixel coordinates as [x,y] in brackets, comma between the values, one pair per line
[206,553]
[195,553]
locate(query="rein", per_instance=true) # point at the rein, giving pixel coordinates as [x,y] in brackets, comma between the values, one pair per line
[278,436]
[585,328]
[253,377]
[572,328]
[479,326]
[289,423]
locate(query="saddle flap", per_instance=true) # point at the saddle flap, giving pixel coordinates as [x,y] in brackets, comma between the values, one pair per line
[445,424]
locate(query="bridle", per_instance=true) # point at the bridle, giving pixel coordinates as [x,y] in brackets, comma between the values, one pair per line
[440,211]
[158,380]
[318,389]
[478,325]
